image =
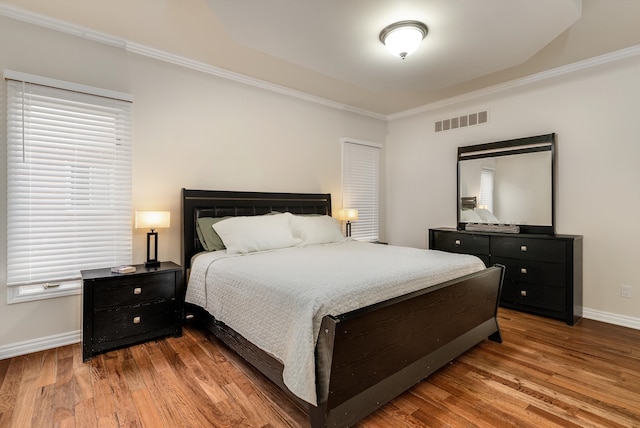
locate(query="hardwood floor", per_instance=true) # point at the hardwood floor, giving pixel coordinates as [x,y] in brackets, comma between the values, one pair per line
[544,374]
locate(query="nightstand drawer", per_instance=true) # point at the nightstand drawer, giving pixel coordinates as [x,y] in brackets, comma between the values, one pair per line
[460,243]
[131,321]
[133,290]
[544,250]
[551,274]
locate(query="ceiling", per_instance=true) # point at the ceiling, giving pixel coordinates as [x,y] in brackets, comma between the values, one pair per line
[339,38]
[330,48]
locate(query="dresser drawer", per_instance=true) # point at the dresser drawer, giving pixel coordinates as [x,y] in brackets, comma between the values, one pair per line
[131,321]
[544,250]
[133,290]
[550,274]
[466,243]
[543,273]
[533,295]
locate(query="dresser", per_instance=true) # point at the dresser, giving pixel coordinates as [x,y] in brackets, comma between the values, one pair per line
[543,273]
[122,309]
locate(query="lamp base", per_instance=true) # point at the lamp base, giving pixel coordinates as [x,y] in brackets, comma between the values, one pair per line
[152,262]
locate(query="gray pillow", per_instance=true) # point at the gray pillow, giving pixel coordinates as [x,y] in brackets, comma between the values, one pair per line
[208,237]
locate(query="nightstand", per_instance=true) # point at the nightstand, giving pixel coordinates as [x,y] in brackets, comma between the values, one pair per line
[122,309]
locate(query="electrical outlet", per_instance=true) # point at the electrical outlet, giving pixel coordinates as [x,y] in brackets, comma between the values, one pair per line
[625,291]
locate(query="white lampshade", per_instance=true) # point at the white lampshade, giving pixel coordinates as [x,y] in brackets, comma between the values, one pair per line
[403,38]
[348,214]
[152,219]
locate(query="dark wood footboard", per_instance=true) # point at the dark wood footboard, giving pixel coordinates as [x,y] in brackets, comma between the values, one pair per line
[367,357]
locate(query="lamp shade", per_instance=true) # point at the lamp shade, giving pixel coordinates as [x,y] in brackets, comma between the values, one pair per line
[348,214]
[403,38]
[152,219]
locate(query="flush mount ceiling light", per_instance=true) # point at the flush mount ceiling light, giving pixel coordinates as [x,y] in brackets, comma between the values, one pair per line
[404,37]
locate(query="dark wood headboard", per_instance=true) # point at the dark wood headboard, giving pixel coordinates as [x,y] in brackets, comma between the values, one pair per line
[220,203]
[468,202]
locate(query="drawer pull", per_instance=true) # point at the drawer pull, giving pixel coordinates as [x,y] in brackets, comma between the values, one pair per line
[523,293]
[136,320]
[523,248]
[457,242]
[137,290]
[523,271]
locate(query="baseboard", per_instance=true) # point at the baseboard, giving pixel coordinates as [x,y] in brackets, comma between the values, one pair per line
[40,344]
[621,320]
[63,339]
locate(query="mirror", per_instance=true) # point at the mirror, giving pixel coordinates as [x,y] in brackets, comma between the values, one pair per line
[507,186]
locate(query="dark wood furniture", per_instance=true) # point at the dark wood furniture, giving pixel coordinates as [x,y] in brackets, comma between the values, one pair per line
[525,182]
[543,272]
[369,356]
[123,309]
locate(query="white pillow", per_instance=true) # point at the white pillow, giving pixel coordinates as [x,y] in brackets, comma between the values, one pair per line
[316,229]
[486,215]
[242,235]
[469,216]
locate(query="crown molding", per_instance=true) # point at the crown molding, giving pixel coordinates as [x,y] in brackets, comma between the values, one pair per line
[58,25]
[524,81]
[241,78]
[136,48]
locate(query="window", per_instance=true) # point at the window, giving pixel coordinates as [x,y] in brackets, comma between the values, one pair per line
[361,186]
[68,184]
[486,188]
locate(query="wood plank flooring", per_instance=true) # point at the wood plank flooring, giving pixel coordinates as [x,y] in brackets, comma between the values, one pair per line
[544,374]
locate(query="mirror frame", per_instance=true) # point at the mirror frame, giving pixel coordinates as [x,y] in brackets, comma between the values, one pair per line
[534,144]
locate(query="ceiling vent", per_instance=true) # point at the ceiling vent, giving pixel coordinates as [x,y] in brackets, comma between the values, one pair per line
[462,121]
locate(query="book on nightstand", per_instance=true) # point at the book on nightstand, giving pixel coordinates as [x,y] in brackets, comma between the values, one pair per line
[123,269]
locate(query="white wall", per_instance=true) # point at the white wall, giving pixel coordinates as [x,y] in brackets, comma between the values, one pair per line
[595,114]
[191,130]
[195,130]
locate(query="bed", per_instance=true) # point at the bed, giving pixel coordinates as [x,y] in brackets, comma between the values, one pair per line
[362,357]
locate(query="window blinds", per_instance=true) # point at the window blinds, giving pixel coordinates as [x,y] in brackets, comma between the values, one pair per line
[360,187]
[486,188]
[69,183]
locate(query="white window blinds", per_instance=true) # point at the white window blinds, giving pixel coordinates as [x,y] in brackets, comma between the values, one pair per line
[486,188]
[361,187]
[69,184]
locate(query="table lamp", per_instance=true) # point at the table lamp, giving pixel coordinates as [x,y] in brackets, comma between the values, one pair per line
[152,220]
[348,214]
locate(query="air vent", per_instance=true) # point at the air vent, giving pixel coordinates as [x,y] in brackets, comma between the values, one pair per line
[462,121]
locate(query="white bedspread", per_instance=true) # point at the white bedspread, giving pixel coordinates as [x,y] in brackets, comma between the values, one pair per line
[276,299]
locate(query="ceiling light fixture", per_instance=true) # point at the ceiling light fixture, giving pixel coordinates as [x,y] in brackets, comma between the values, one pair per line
[404,37]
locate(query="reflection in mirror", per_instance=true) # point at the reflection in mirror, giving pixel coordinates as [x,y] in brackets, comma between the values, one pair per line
[508,183]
